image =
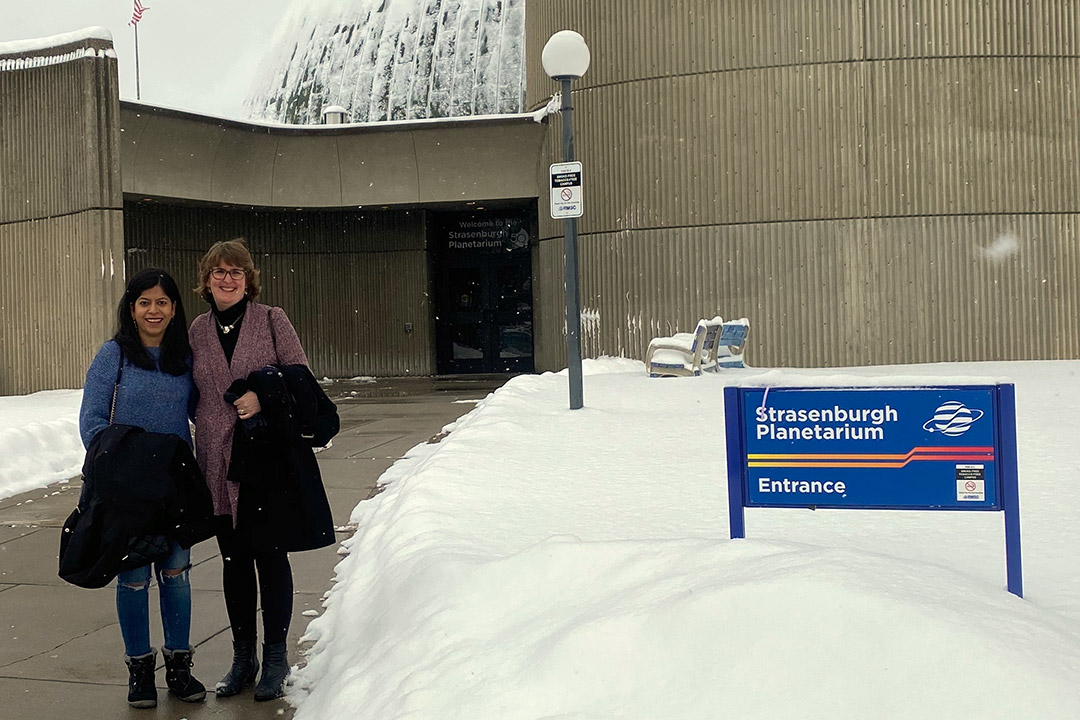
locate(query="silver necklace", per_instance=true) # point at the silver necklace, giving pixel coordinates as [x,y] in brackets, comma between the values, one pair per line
[226,329]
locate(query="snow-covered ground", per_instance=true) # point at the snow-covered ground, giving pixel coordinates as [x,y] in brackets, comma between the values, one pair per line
[39,440]
[546,563]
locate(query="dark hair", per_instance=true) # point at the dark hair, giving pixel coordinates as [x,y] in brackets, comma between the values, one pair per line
[175,349]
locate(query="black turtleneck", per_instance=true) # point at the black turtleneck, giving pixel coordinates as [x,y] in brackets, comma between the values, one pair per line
[233,317]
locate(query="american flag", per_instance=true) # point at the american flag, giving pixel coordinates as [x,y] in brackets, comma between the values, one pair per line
[136,14]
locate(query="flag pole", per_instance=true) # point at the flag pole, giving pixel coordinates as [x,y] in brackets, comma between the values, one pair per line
[137,11]
[138,93]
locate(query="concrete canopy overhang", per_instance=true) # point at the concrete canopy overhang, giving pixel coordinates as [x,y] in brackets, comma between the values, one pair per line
[168,153]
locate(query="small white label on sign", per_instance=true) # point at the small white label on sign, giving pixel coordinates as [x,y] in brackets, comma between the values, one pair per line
[971,490]
[971,483]
[566,190]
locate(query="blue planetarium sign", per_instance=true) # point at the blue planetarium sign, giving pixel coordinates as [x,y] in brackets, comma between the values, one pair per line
[903,448]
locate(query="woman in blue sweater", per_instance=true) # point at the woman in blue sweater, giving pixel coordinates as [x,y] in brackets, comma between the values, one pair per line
[148,362]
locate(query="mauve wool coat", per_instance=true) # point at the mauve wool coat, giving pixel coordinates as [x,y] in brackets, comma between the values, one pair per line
[213,374]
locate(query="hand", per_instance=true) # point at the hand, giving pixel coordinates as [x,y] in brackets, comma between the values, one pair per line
[247,405]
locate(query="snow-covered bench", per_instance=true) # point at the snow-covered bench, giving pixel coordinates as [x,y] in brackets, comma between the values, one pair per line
[729,347]
[685,353]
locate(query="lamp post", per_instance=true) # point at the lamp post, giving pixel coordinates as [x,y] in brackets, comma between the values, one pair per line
[566,57]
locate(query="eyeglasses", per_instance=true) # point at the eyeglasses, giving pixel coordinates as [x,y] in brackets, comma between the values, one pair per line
[220,273]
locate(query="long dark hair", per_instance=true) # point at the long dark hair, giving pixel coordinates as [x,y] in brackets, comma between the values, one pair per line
[175,349]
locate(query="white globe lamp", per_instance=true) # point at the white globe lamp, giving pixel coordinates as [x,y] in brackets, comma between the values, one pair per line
[566,56]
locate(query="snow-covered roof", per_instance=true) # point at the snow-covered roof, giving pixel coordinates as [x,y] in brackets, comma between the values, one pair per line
[381,60]
[378,125]
[56,49]
[36,45]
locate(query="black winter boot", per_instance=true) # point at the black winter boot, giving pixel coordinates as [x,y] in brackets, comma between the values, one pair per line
[178,676]
[141,690]
[245,666]
[275,670]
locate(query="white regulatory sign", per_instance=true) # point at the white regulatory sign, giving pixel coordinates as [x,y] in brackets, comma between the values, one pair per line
[566,190]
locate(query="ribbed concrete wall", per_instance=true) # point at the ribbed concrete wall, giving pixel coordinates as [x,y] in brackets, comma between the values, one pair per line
[349,281]
[61,235]
[173,154]
[868,181]
[880,280]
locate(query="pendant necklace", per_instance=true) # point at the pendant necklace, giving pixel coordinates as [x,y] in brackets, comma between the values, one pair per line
[226,329]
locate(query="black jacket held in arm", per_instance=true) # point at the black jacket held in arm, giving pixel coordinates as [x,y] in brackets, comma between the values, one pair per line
[140,490]
[282,504]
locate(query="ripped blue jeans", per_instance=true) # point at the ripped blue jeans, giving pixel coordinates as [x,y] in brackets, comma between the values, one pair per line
[174,591]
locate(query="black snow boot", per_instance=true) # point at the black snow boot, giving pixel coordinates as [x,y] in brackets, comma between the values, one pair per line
[178,676]
[141,690]
[245,666]
[275,670]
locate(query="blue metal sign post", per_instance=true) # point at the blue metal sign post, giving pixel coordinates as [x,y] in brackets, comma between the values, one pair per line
[903,448]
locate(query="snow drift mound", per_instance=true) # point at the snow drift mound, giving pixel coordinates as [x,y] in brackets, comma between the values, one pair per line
[39,440]
[686,629]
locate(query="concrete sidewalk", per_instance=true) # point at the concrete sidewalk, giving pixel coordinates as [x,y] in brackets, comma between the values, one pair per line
[61,655]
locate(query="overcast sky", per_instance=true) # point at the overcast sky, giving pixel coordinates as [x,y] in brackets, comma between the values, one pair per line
[197,55]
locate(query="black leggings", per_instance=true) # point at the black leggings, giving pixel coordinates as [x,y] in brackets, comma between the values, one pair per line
[275,583]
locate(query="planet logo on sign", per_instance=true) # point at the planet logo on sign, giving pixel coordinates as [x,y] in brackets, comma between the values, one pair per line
[952,418]
[519,240]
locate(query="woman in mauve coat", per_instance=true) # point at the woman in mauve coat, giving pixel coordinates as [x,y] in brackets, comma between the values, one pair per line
[236,337]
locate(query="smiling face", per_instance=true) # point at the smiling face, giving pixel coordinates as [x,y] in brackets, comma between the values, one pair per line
[227,290]
[152,312]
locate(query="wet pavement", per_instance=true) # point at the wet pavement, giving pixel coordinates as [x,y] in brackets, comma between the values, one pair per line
[61,655]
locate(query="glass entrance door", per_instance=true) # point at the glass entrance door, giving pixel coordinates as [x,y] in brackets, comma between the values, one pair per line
[484,321]
[463,320]
[513,316]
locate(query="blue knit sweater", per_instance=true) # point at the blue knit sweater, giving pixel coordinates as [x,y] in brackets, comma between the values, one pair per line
[150,399]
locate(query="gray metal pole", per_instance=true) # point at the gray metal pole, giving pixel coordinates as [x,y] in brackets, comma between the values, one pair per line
[138,91]
[573,301]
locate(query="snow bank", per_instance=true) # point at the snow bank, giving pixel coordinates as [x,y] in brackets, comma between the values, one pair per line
[39,440]
[541,562]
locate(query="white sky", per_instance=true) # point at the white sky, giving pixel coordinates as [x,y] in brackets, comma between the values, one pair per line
[197,55]
[546,563]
